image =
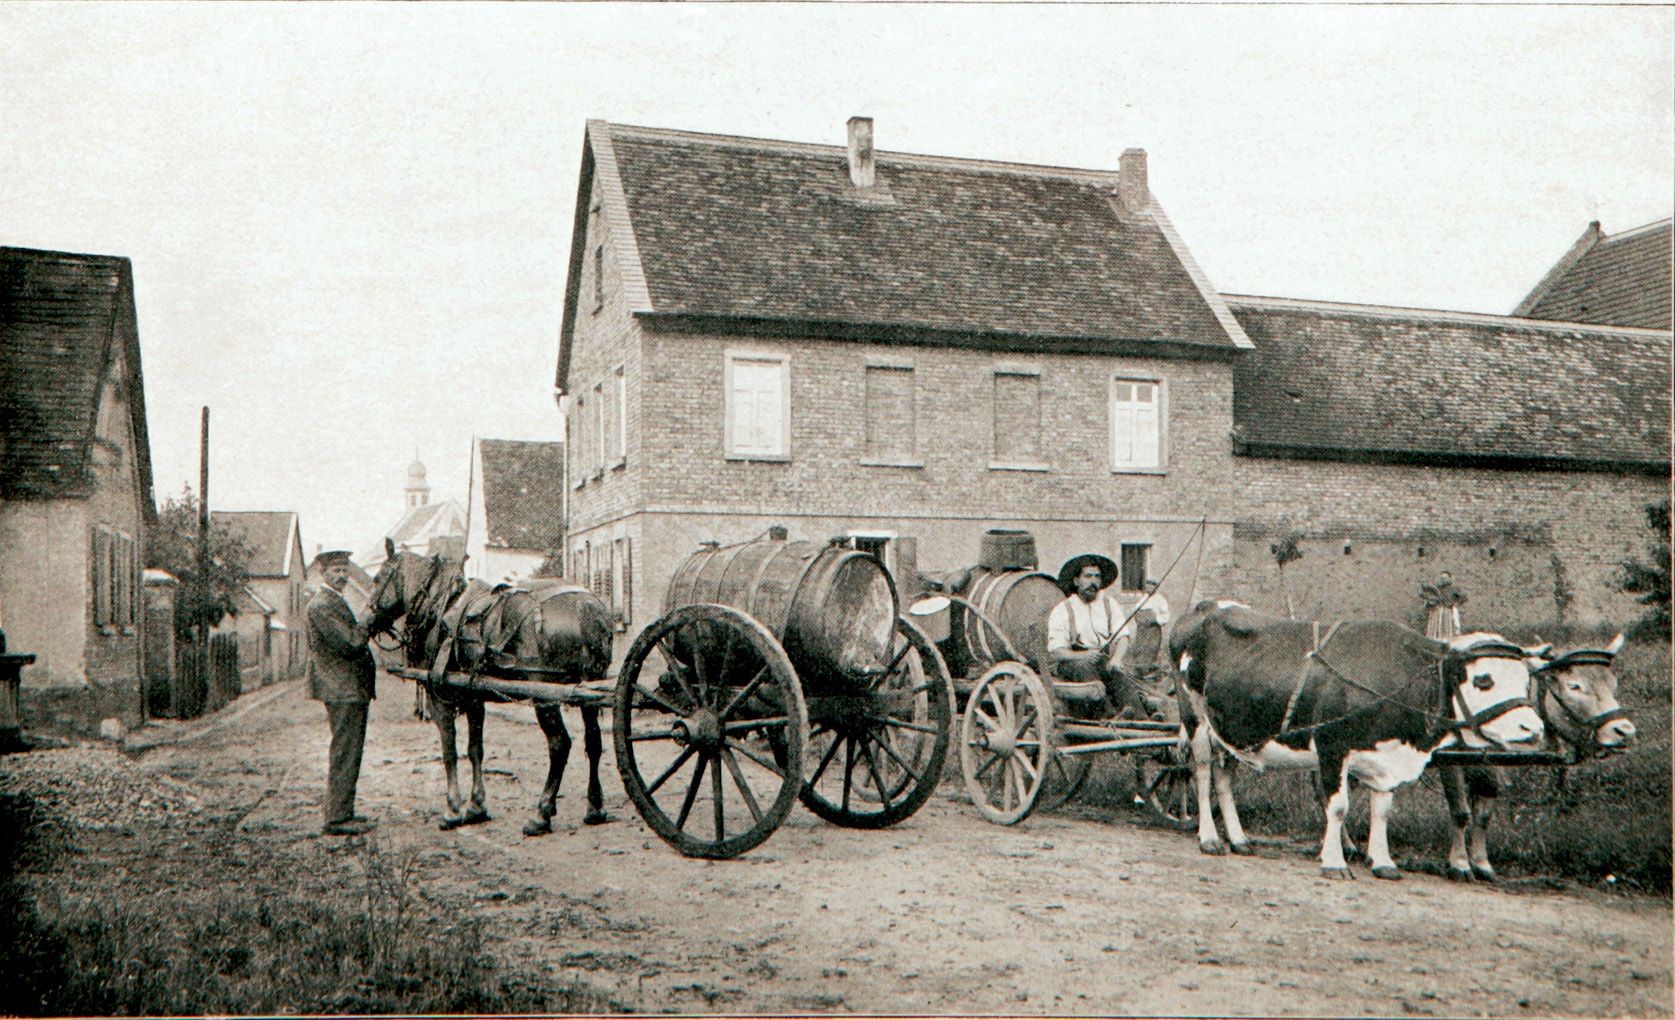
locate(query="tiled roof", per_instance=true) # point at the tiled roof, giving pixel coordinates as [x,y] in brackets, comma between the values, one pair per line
[749,230]
[1623,279]
[62,317]
[523,493]
[270,534]
[1358,382]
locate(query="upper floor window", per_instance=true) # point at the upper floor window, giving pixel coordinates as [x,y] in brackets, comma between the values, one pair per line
[598,277]
[1017,420]
[1137,425]
[890,426]
[758,412]
[576,442]
[604,417]
[619,382]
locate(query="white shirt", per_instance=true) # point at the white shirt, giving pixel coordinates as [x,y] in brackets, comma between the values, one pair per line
[1089,624]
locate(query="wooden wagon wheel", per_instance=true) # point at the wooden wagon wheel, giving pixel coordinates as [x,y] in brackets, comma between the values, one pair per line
[1006,742]
[1169,790]
[875,756]
[702,693]
[1065,776]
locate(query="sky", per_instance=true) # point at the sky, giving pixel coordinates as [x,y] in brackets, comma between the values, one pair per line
[349,223]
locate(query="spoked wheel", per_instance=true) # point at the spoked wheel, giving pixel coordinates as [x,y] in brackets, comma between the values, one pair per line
[1065,776]
[710,730]
[875,757]
[1169,790]
[1006,742]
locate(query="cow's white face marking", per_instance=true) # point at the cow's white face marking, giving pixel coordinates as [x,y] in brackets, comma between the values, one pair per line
[1491,681]
[1230,604]
[1388,765]
[1186,661]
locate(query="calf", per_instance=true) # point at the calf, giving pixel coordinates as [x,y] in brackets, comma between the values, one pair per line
[1577,699]
[1368,699]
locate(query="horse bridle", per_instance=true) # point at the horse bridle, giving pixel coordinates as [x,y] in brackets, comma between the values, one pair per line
[1548,672]
[414,611]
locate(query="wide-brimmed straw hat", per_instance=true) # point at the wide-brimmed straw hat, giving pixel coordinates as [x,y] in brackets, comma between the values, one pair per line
[1073,566]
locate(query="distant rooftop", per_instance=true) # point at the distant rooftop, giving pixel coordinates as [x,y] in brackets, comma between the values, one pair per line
[1622,279]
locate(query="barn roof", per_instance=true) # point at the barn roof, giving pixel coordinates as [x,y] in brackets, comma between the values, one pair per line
[751,235]
[272,536]
[1361,382]
[64,319]
[523,493]
[1622,279]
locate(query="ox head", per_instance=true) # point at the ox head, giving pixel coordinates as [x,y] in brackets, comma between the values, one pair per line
[1489,678]
[1579,699]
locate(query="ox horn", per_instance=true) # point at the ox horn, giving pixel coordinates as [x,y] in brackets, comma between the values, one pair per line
[1616,645]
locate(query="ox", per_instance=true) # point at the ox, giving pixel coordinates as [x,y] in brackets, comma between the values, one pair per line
[1368,699]
[1577,699]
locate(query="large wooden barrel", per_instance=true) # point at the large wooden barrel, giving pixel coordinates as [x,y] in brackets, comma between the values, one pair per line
[832,609]
[1018,601]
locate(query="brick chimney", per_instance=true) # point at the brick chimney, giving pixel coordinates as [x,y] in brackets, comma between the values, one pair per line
[861,169]
[1132,190]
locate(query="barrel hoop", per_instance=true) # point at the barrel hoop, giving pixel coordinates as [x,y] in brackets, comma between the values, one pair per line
[797,589]
[977,638]
[756,581]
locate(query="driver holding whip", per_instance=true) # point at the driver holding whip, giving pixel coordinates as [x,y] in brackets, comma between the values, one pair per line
[1087,634]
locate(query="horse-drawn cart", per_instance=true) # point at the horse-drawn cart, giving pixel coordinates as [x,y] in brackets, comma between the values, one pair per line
[780,670]
[1026,740]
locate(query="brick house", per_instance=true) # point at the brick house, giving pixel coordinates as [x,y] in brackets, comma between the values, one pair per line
[76,495]
[1394,443]
[269,623]
[517,507]
[893,346]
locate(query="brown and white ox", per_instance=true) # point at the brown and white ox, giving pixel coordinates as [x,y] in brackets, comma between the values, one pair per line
[1576,694]
[1366,699]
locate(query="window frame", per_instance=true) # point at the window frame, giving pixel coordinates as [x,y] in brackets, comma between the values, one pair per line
[911,457]
[1160,400]
[730,449]
[1144,551]
[619,378]
[996,462]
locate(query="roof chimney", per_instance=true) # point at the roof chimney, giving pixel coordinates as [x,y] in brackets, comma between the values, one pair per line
[1132,190]
[860,152]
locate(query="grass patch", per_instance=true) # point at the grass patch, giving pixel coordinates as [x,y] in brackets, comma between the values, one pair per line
[206,921]
[1605,822]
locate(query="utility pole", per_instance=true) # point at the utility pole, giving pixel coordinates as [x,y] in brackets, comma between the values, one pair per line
[204,589]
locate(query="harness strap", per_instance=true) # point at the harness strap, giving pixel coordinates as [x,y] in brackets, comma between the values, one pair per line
[1303,671]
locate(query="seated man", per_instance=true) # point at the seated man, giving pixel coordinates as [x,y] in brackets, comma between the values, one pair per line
[1086,633]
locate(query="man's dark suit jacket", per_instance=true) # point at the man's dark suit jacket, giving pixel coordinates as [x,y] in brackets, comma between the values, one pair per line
[340,666]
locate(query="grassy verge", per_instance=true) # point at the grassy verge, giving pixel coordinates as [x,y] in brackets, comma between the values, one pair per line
[206,921]
[1605,822]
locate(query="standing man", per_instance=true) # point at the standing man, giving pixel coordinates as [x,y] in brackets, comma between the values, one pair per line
[340,673]
[1086,633]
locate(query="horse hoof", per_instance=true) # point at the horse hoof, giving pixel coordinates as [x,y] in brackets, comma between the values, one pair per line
[596,818]
[1242,849]
[1213,847]
[1390,874]
[1459,875]
[1337,874]
[1484,874]
[537,826]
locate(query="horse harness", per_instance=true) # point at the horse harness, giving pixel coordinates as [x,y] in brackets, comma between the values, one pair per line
[1460,719]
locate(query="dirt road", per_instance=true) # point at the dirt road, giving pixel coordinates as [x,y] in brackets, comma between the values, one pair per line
[944,913]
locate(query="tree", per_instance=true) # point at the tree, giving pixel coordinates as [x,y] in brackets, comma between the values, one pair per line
[1650,580]
[173,546]
[1286,551]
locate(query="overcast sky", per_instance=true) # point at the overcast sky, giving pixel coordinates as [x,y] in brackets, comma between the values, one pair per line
[349,224]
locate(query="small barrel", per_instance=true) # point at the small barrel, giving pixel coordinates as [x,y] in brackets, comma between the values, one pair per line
[1018,601]
[832,609]
[1007,549]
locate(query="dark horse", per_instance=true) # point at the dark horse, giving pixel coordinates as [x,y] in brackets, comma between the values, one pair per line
[554,632]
